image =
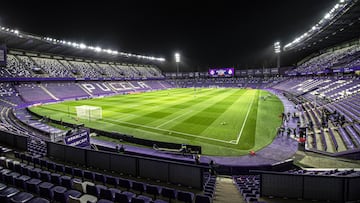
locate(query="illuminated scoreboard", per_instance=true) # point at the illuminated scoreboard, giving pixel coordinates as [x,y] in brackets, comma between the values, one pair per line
[221,72]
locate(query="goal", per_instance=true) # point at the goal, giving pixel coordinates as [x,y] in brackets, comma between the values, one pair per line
[89,112]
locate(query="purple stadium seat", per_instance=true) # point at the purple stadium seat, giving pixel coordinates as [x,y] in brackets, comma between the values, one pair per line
[2,186]
[66,181]
[140,200]
[69,170]
[32,185]
[35,173]
[92,190]
[100,178]
[59,168]
[123,198]
[7,193]
[104,201]
[168,193]
[43,163]
[50,166]
[153,190]
[146,199]
[138,186]
[78,172]
[73,193]
[26,170]
[89,175]
[124,183]
[21,197]
[59,193]
[129,194]
[38,200]
[45,176]
[106,194]
[45,190]
[55,178]
[159,201]
[18,168]
[9,177]
[202,199]
[36,161]
[185,196]
[20,181]
[111,180]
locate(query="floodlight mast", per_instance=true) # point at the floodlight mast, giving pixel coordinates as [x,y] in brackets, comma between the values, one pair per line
[277,49]
[177,60]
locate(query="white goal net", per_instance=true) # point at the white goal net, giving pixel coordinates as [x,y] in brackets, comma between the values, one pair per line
[89,112]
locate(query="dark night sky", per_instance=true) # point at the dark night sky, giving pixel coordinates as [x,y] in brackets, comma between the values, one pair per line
[206,33]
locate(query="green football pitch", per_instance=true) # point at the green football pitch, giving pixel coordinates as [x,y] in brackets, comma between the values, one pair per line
[224,122]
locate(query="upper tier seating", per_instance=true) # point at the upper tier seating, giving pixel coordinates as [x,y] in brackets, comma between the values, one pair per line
[341,58]
[52,67]
[24,66]
[14,68]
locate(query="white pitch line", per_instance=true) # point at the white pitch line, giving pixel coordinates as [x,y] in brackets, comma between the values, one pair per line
[172,131]
[173,119]
[247,114]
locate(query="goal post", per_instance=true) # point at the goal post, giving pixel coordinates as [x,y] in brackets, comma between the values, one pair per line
[89,112]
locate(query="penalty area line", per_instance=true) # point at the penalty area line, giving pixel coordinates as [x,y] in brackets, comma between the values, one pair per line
[165,130]
[246,117]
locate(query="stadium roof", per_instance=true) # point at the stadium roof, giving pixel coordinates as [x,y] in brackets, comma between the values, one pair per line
[16,39]
[220,34]
[341,23]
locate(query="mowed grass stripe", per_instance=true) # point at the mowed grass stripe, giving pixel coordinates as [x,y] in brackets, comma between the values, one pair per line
[158,130]
[166,109]
[198,122]
[234,117]
[120,107]
[184,131]
[197,105]
[173,105]
[142,108]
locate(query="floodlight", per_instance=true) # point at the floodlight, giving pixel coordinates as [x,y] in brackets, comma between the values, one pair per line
[82,46]
[277,47]
[342,1]
[327,16]
[97,49]
[177,57]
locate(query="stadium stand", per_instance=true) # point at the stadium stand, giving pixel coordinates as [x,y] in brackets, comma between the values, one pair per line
[14,68]
[324,89]
[342,58]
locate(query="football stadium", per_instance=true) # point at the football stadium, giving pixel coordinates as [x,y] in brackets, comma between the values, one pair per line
[81,123]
